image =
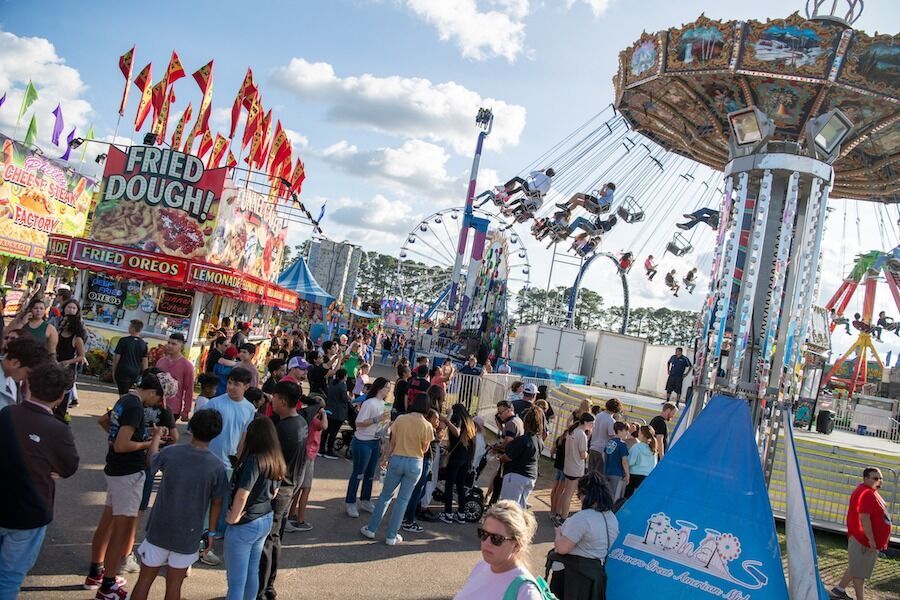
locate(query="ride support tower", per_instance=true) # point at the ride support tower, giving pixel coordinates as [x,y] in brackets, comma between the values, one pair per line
[485,121]
[791,111]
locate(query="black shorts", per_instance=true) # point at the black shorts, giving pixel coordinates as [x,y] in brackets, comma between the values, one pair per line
[674,384]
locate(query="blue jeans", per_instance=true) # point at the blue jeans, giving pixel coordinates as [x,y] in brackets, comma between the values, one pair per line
[402,472]
[243,547]
[385,355]
[365,459]
[19,549]
[419,491]
[149,480]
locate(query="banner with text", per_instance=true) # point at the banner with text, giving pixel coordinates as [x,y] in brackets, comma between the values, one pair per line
[700,525]
[38,197]
[158,199]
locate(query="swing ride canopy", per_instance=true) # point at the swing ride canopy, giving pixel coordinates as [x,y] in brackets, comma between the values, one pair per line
[677,87]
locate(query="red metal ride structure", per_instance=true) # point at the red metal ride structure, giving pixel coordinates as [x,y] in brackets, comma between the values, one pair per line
[867,270]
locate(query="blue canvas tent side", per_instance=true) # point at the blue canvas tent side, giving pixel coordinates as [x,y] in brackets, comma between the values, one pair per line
[298,278]
[701,525]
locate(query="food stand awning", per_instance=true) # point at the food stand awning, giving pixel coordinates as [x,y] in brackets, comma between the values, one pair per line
[298,278]
[364,314]
[192,274]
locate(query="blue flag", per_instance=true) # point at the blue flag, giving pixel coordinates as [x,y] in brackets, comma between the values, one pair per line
[700,525]
[322,212]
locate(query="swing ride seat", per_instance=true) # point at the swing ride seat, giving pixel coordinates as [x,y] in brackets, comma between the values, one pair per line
[630,211]
[679,246]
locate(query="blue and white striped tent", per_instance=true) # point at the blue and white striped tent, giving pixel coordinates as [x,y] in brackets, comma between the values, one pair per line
[298,278]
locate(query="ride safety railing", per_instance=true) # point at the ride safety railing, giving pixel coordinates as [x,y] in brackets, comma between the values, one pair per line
[850,417]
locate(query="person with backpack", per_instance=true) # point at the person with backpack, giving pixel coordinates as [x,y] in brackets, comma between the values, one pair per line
[505,535]
[582,543]
[418,384]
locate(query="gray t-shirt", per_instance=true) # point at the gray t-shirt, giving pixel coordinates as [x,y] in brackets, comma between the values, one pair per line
[603,431]
[191,479]
[592,531]
[576,446]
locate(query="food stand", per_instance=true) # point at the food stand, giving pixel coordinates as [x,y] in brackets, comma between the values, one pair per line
[38,197]
[177,246]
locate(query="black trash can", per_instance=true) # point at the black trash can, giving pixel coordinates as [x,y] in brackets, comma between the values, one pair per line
[825,422]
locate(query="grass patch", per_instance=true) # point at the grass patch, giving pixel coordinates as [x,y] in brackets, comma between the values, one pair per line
[832,551]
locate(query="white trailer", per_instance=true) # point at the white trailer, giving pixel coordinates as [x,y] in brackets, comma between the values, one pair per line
[549,347]
[613,360]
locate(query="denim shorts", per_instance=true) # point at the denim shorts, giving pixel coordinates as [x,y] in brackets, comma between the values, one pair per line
[559,475]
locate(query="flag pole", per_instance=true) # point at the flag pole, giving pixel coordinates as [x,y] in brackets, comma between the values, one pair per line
[116,130]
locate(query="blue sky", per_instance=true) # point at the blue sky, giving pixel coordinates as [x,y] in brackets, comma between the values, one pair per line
[380,95]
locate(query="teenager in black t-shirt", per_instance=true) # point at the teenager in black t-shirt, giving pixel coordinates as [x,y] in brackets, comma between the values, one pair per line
[292,430]
[130,357]
[124,472]
[260,468]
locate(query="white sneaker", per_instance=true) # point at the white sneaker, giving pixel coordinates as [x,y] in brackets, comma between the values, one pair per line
[131,564]
[352,510]
[394,540]
[367,506]
[366,533]
[211,559]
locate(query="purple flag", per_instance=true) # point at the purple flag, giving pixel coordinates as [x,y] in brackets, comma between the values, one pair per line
[3,99]
[69,139]
[58,126]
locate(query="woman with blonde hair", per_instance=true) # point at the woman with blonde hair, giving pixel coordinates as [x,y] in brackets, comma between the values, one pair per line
[584,407]
[505,534]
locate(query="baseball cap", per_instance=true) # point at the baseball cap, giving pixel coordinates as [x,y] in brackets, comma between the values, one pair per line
[298,363]
[231,353]
[63,286]
[177,336]
[530,389]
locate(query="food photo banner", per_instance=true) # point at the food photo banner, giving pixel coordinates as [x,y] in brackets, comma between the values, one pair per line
[159,200]
[38,197]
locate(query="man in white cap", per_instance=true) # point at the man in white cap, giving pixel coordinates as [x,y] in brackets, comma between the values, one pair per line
[297,368]
[529,393]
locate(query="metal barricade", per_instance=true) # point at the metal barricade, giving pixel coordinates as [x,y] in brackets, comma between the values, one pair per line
[465,389]
[828,482]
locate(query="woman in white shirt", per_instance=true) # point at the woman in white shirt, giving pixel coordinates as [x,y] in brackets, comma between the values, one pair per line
[505,534]
[588,534]
[641,458]
[576,459]
[366,447]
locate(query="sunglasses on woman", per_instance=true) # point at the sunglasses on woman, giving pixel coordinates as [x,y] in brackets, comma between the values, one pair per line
[496,538]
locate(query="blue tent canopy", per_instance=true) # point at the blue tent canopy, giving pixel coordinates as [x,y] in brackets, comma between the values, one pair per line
[298,278]
[363,314]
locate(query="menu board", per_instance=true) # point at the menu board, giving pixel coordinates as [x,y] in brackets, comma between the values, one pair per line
[175,304]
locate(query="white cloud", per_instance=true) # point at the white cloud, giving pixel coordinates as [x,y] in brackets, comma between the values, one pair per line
[32,58]
[379,221]
[598,7]
[415,164]
[480,35]
[298,141]
[409,107]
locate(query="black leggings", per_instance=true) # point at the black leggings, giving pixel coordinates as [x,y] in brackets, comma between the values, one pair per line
[330,434]
[633,482]
[455,475]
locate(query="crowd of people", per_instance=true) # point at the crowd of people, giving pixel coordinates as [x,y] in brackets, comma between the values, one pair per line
[237,477]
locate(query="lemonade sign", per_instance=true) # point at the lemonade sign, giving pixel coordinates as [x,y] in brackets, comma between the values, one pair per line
[38,197]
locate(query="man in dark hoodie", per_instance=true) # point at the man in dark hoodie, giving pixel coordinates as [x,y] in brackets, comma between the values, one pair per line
[36,448]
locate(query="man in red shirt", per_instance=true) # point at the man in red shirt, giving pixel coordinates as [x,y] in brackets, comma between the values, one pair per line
[182,371]
[868,531]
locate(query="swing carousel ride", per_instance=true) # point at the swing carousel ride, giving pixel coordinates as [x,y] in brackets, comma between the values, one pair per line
[692,102]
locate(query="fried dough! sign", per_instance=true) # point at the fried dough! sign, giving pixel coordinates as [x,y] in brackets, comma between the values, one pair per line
[158,199]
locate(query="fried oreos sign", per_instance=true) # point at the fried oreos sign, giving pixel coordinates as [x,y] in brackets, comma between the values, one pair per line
[163,177]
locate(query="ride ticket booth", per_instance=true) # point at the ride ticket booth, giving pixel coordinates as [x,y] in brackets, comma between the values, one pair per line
[178,247]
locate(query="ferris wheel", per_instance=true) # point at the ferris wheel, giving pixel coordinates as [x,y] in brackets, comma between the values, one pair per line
[426,258]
